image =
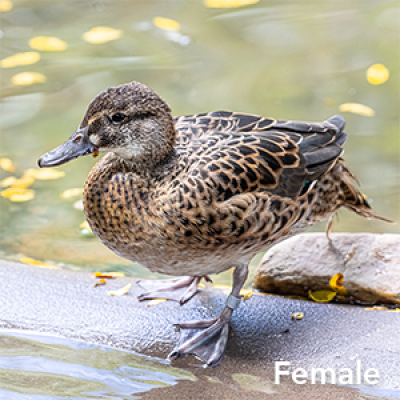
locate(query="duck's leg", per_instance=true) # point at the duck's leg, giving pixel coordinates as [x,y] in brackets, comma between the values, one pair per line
[207,339]
[177,289]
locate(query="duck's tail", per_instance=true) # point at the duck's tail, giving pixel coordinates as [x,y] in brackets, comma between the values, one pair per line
[354,200]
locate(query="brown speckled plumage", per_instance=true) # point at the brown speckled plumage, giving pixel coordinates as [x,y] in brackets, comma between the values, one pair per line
[198,194]
[231,185]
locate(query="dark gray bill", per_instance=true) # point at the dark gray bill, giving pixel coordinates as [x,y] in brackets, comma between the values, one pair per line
[76,146]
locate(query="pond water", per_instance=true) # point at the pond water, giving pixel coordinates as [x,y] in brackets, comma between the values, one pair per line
[288,60]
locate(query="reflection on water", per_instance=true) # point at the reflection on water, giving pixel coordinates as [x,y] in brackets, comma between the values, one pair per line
[290,61]
[45,367]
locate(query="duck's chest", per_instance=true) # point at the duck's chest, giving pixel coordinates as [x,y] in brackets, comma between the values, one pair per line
[116,208]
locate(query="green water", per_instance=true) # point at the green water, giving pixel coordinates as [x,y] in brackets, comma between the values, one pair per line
[289,60]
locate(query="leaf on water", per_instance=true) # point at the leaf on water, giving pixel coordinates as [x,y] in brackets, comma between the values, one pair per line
[15,60]
[18,195]
[228,3]
[22,183]
[7,165]
[44,174]
[154,302]
[377,74]
[47,43]
[100,282]
[78,205]
[336,284]
[246,293]
[85,225]
[321,296]
[8,181]
[298,316]
[71,193]
[102,34]
[120,292]
[28,78]
[109,275]
[5,5]
[31,261]
[357,108]
[166,24]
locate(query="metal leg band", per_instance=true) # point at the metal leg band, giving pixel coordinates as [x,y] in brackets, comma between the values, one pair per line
[233,302]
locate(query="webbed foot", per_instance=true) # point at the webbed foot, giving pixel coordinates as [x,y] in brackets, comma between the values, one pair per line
[207,339]
[177,289]
[204,339]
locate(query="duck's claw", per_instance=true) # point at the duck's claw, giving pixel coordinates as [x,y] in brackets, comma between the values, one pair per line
[204,339]
[177,289]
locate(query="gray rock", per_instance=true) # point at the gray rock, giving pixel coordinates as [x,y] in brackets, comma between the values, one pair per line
[370,265]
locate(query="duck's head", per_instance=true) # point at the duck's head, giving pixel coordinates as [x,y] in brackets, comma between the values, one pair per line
[129,120]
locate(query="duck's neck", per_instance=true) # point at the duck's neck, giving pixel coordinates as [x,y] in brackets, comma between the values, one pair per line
[154,170]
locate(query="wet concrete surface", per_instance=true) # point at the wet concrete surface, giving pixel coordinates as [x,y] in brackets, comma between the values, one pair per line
[65,303]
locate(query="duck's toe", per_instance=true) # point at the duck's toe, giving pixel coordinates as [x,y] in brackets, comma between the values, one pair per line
[203,339]
[177,289]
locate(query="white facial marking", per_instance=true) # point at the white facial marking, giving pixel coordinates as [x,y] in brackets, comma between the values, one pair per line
[94,139]
[129,151]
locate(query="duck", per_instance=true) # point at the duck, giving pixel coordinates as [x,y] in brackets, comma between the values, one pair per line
[196,195]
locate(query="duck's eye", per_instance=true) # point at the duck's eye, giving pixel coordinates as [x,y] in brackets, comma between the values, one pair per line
[117,117]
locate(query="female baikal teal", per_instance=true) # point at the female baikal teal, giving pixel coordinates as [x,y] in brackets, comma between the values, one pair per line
[196,195]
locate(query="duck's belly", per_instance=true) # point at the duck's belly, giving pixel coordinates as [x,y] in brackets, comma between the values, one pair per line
[170,259]
[167,257]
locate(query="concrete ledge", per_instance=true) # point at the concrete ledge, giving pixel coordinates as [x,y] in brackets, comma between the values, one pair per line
[65,303]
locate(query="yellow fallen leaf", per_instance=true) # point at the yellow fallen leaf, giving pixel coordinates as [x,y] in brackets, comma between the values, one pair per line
[298,316]
[47,43]
[377,74]
[246,293]
[100,282]
[120,292]
[102,34]
[18,195]
[15,60]
[109,274]
[5,5]
[23,182]
[228,3]
[31,261]
[394,310]
[155,302]
[71,193]
[166,24]
[376,308]
[8,181]
[28,78]
[322,296]
[44,174]
[7,165]
[357,108]
[336,284]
